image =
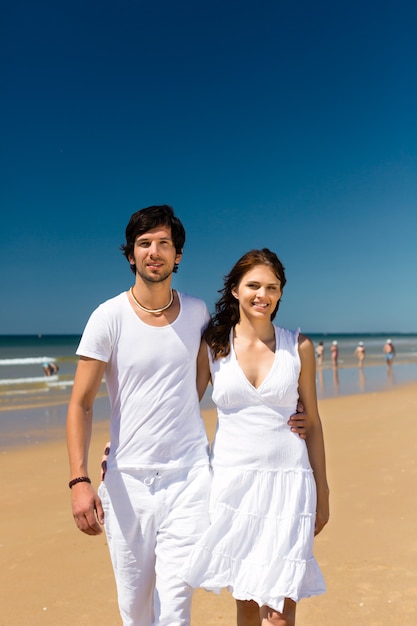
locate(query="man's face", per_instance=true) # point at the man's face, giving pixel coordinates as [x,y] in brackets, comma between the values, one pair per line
[154,254]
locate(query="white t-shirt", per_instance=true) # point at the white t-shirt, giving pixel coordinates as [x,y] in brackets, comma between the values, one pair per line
[151,381]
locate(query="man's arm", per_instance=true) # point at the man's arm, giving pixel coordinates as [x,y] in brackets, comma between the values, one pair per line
[86,505]
[203,369]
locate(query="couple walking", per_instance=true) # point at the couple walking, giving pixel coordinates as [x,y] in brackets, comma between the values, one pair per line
[174,519]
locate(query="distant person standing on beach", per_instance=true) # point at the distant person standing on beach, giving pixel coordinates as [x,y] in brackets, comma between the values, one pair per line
[154,500]
[269,494]
[320,353]
[389,352]
[360,353]
[334,351]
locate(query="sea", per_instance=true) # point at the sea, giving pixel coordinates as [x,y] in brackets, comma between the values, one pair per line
[33,405]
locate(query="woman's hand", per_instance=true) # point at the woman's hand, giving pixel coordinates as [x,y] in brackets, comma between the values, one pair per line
[323,513]
[104,458]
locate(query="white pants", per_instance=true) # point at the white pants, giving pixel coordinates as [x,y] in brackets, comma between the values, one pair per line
[152,520]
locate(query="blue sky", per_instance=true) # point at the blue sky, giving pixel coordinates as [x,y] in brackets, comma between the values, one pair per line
[284,124]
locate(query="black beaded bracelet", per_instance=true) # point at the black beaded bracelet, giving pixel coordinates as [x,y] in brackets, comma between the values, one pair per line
[80,479]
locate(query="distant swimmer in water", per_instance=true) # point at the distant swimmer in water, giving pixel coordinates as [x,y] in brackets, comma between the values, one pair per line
[389,352]
[360,353]
[49,369]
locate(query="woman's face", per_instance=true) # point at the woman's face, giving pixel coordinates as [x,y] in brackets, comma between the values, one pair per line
[258,292]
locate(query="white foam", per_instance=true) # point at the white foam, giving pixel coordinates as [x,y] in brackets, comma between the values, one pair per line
[49,380]
[60,383]
[28,361]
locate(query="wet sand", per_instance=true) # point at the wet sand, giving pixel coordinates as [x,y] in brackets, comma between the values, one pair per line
[53,575]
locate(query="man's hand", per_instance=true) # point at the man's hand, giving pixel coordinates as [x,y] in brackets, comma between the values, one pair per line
[298,422]
[87,509]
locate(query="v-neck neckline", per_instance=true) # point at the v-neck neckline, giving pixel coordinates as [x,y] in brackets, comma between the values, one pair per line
[233,352]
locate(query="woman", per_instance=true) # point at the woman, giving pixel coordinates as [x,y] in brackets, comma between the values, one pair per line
[320,353]
[269,494]
[334,351]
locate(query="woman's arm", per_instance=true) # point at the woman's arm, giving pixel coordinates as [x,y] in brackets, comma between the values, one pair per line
[314,439]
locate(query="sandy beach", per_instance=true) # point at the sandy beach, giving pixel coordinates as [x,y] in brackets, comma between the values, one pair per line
[53,575]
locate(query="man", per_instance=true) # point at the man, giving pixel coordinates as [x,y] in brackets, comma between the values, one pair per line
[154,500]
[389,352]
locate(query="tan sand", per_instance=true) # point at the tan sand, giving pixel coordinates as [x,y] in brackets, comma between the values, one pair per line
[53,575]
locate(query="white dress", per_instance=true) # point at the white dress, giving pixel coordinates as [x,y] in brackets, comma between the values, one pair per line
[263,499]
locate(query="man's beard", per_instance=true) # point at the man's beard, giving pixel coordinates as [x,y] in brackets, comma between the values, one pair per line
[159,278]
